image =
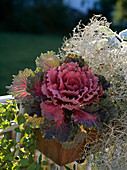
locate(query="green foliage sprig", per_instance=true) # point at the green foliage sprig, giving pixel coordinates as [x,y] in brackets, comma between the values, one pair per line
[15,156]
[8,113]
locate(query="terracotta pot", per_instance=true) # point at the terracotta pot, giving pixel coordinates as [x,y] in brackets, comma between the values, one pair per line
[57,153]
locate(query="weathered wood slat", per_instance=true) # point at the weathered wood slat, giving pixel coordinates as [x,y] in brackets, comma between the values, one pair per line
[5,97]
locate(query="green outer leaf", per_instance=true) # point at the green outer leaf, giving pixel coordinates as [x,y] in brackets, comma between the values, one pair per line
[21,119]
[8,157]
[2,109]
[74,167]
[16,168]
[105,109]
[33,166]
[67,168]
[4,141]
[40,158]
[20,154]
[23,163]
[39,167]
[31,158]
[46,61]
[22,140]
[17,129]
[28,129]
[45,163]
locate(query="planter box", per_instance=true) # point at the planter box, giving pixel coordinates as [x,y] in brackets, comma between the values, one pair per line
[57,153]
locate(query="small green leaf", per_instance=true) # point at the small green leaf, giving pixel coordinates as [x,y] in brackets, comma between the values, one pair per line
[4,141]
[67,168]
[23,163]
[33,166]
[22,140]
[8,157]
[24,150]
[74,167]
[17,129]
[39,167]
[20,129]
[20,154]
[21,119]
[27,129]
[16,168]
[40,158]
[8,114]
[2,109]
[11,143]
[44,162]
[30,158]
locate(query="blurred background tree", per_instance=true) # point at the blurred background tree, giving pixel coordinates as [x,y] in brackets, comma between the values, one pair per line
[120,11]
[35,16]
[116,12]
[107,7]
[53,16]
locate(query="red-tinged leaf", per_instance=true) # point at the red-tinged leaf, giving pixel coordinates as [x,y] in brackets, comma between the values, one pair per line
[85,118]
[19,86]
[47,60]
[51,111]
[58,127]
[34,86]
[60,130]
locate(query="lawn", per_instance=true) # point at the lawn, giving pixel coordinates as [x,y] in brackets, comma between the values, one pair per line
[19,51]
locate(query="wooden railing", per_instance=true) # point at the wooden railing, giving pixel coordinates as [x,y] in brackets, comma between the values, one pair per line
[6,97]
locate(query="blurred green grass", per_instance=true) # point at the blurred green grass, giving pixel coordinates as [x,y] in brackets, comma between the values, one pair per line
[19,51]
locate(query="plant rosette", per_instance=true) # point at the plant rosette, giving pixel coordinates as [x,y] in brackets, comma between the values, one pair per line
[64,98]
